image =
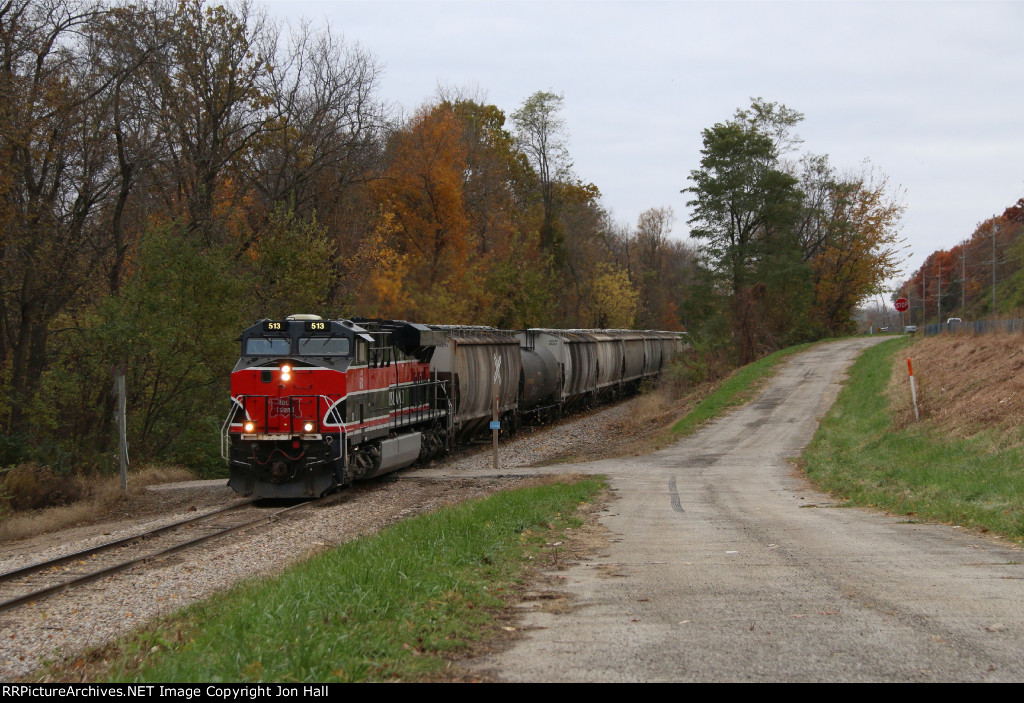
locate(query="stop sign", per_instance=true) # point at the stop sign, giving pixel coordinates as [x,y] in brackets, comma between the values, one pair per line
[902,305]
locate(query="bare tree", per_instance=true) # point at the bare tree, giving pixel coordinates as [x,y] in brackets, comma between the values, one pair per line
[323,119]
[540,133]
[55,148]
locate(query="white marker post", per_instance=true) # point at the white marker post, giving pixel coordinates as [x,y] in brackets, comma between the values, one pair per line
[913,389]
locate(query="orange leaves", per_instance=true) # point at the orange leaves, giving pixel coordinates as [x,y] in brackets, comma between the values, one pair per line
[862,249]
[446,233]
[424,223]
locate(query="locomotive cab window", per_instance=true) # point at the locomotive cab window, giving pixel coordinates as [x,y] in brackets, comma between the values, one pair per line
[324,346]
[267,346]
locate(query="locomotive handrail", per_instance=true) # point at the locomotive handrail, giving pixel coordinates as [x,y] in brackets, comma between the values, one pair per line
[424,408]
[225,430]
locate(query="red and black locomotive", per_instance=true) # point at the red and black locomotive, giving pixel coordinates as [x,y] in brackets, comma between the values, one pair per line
[317,403]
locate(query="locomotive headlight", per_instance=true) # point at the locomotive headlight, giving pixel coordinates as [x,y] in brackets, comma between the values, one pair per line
[308,427]
[286,372]
[249,426]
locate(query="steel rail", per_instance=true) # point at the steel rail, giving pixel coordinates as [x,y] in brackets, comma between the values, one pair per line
[89,578]
[57,561]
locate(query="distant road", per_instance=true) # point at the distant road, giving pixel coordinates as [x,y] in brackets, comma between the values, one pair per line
[723,565]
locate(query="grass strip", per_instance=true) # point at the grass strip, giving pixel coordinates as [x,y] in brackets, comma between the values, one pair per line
[387,607]
[737,389]
[916,471]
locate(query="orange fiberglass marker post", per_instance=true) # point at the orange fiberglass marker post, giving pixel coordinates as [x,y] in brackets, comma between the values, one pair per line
[913,389]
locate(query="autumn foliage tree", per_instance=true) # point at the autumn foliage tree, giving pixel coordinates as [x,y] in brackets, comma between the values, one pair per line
[793,246]
[979,277]
[860,252]
[422,203]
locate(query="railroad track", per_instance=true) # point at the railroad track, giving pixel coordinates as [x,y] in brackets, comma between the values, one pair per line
[44,579]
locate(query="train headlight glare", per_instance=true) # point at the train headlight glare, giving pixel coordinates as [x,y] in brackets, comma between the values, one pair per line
[308,427]
[286,369]
[249,426]
[285,376]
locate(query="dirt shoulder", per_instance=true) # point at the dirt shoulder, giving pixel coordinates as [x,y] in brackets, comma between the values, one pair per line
[966,384]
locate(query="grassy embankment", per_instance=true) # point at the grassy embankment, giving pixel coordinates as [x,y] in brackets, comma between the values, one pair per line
[917,470]
[381,608]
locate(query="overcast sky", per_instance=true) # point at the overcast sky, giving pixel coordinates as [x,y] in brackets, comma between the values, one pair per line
[931,92]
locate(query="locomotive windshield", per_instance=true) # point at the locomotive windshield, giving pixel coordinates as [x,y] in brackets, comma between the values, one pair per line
[267,346]
[323,346]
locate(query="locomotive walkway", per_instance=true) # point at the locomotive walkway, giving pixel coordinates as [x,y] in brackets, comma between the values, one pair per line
[722,564]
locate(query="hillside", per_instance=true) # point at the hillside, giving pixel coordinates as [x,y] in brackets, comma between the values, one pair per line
[966,385]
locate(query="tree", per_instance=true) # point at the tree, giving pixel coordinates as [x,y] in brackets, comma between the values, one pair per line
[540,133]
[55,151]
[655,269]
[745,205]
[861,250]
[741,201]
[323,122]
[208,86]
[496,173]
[422,200]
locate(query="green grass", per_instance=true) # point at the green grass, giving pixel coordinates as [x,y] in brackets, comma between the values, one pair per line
[382,608]
[736,390]
[913,471]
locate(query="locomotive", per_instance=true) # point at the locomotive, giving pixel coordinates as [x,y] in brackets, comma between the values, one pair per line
[317,404]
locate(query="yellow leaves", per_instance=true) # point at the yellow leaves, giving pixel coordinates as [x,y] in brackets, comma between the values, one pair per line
[863,249]
[613,300]
[423,237]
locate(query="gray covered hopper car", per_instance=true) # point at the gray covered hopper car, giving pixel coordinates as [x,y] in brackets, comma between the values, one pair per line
[585,364]
[468,360]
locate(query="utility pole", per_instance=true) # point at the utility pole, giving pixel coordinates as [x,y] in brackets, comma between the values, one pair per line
[938,293]
[924,297]
[963,279]
[995,230]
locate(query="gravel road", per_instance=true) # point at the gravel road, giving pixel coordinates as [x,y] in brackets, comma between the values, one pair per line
[724,565]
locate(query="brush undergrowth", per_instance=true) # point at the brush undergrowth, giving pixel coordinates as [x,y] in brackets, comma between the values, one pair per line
[70,499]
[381,608]
[916,470]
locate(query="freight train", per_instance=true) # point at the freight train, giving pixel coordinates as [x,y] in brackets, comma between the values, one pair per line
[318,403]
